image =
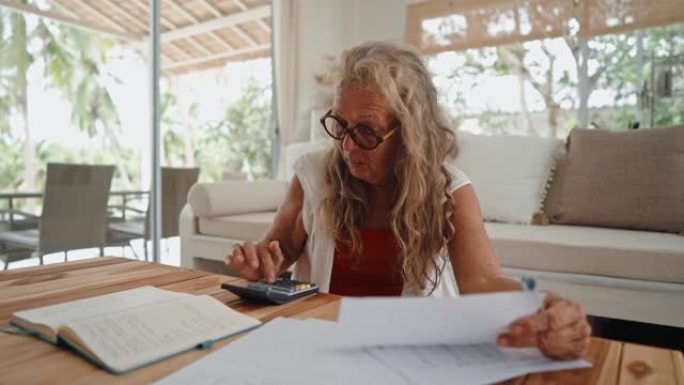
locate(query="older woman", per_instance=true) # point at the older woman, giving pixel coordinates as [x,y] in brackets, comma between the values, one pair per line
[376,214]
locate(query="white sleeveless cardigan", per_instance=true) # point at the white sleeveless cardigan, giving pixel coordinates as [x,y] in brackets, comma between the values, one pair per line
[316,262]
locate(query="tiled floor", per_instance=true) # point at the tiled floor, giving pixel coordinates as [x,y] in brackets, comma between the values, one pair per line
[170,254]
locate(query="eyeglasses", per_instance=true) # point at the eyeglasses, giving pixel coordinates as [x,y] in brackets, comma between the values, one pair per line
[364,136]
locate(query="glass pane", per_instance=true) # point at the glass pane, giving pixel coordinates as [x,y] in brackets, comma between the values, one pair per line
[215,106]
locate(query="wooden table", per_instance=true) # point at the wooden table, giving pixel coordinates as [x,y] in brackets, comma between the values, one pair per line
[26,360]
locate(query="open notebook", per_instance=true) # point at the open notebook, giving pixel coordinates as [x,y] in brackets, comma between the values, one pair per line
[129,329]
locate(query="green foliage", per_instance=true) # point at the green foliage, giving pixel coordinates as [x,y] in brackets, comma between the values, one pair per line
[11,166]
[613,67]
[241,141]
[72,60]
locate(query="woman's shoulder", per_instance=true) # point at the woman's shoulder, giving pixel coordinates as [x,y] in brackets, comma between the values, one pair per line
[310,169]
[458,177]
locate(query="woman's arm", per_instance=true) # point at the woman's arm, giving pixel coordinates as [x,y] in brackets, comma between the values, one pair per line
[287,227]
[475,266]
[282,244]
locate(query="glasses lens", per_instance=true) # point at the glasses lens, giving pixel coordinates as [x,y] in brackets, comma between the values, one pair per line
[333,127]
[365,137]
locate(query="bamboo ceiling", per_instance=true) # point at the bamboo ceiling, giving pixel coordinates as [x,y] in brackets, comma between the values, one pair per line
[195,34]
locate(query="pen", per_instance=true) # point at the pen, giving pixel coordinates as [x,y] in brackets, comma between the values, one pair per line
[528,283]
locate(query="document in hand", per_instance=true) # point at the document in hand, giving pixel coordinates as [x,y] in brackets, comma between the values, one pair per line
[382,341]
[129,329]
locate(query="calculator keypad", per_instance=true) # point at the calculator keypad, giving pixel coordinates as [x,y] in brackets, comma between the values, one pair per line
[281,285]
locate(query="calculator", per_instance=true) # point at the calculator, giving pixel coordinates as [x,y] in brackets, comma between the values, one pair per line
[282,291]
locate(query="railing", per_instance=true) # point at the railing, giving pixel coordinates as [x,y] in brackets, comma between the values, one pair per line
[8,215]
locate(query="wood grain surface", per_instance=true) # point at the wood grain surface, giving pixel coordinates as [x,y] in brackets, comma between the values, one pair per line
[27,360]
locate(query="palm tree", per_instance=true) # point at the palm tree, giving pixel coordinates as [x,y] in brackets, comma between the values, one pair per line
[74,59]
[15,60]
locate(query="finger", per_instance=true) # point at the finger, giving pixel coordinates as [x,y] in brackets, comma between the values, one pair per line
[236,257]
[239,264]
[517,340]
[251,255]
[558,314]
[564,350]
[529,325]
[266,264]
[519,336]
[278,259]
[571,332]
[525,331]
[563,313]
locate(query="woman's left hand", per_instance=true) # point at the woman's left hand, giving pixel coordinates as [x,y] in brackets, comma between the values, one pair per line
[559,329]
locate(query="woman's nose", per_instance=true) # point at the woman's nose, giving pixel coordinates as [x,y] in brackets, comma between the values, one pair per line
[348,143]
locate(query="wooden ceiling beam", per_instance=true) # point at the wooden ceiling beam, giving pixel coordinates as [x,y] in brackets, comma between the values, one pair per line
[194,20]
[217,23]
[261,23]
[117,32]
[225,55]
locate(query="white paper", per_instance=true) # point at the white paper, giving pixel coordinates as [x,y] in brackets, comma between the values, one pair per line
[409,321]
[286,351]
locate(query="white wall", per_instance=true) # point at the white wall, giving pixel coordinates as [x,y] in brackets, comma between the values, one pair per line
[326,28]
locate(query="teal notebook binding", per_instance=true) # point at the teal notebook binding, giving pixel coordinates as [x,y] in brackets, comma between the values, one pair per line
[95,361]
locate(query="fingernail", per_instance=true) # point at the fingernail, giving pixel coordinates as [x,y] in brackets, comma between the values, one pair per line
[237,258]
[254,265]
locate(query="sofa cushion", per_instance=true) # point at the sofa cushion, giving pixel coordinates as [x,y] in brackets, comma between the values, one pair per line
[590,250]
[564,249]
[509,173]
[236,197]
[248,227]
[630,179]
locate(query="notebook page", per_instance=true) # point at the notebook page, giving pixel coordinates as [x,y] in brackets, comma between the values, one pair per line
[56,315]
[130,339]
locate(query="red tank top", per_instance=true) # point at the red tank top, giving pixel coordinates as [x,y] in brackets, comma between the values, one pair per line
[375,273]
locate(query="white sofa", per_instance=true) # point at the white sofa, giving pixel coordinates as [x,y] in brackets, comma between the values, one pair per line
[624,274]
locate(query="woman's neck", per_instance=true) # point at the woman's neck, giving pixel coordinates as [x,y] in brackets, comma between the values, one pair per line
[380,203]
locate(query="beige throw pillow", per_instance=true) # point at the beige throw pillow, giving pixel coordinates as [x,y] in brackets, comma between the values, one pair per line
[552,199]
[629,179]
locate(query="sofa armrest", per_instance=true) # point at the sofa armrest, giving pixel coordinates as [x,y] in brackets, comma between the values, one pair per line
[236,197]
[187,228]
[187,222]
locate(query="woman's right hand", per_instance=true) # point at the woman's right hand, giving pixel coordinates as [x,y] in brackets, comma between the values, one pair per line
[257,261]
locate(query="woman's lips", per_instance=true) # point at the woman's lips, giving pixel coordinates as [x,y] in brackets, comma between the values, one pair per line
[355,162]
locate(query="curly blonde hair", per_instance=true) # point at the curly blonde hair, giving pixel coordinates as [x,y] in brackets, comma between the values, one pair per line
[420,218]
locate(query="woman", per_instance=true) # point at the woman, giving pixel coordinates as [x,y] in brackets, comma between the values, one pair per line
[376,214]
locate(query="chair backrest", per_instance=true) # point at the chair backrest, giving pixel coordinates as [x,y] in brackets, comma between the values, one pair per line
[74,207]
[175,184]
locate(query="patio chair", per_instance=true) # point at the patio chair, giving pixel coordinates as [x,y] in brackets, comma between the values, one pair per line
[175,184]
[74,214]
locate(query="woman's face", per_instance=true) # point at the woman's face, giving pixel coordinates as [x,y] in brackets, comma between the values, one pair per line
[358,104]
